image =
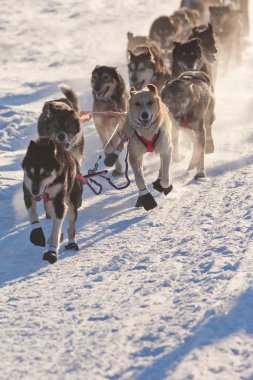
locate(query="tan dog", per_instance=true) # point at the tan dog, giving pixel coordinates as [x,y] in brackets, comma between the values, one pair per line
[148,128]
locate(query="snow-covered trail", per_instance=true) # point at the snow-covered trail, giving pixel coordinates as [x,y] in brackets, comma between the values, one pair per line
[149,296]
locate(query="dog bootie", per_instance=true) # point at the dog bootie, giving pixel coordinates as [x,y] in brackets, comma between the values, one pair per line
[71,246]
[199,175]
[167,190]
[111,158]
[50,256]
[147,200]
[157,186]
[37,236]
[138,202]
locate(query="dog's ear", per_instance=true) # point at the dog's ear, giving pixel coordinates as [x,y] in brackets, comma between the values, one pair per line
[32,146]
[176,43]
[129,36]
[210,27]
[131,54]
[150,54]
[52,147]
[132,91]
[152,88]
[194,29]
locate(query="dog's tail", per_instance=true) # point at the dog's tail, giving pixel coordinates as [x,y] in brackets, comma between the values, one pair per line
[70,95]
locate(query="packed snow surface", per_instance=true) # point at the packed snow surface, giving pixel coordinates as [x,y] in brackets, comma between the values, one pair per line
[166,294]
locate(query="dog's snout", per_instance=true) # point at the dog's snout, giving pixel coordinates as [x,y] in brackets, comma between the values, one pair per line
[35,190]
[144,115]
[61,136]
[134,79]
[97,87]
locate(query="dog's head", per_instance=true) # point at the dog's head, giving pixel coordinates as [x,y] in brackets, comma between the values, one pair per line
[41,166]
[219,16]
[61,122]
[144,106]
[141,67]
[163,31]
[206,36]
[187,55]
[176,95]
[133,41]
[105,82]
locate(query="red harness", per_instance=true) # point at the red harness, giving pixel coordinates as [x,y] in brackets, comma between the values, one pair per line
[149,144]
[183,122]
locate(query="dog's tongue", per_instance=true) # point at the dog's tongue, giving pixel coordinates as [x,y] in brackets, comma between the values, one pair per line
[37,198]
[100,94]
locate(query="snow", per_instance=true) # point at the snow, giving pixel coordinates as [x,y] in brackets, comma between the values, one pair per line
[166,294]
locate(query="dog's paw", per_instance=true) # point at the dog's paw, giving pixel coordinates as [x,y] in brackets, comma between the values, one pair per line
[116,173]
[148,201]
[111,159]
[37,237]
[50,256]
[138,203]
[157,185]
[199,175]
[71,246]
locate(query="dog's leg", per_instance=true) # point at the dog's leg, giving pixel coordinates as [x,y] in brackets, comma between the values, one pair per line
[177,157]
[200,151]
[209,119]
[57,220]
[37,236]
[48,208]
[145,198]
[72,215]
[165,166]
[194,158]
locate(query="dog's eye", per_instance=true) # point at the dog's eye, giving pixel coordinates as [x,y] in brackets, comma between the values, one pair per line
[106,77]
[46,173]
[192,53]
[138,104]
[183,53]
[150,102]
[30,173]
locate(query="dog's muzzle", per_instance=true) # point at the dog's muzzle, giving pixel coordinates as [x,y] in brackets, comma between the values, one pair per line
[138,85]
[63,139]
[101,93]
[145,121]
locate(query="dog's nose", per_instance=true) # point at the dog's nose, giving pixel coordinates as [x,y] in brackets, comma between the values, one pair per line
[35,190]
[61,136]
[144,115]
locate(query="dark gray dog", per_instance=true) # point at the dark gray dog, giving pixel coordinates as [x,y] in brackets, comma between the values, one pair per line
[60,121]
[188,98]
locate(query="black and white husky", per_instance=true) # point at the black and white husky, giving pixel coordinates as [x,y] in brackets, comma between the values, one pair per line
[50,174]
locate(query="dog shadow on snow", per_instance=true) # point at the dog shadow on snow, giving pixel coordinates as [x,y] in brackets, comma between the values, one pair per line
[211,330]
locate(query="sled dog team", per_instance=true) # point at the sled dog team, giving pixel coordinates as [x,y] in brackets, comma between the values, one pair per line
[172,75]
